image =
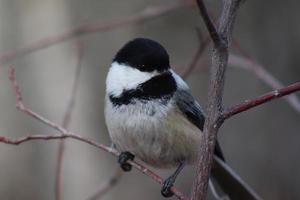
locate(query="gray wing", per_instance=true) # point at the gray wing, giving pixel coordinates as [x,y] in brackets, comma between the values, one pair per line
[194,113]
[190,108]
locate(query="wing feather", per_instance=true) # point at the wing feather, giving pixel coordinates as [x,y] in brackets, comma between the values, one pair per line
[194,113]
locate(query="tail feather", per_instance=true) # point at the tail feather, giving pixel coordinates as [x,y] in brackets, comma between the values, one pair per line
[231,183]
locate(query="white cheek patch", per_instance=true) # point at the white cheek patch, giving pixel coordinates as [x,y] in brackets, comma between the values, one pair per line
[180,82]
[122,77]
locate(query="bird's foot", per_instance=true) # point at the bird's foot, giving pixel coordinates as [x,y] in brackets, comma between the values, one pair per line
[167,184]
[123,158]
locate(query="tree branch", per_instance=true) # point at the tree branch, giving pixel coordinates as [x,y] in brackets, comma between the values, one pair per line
[209,23]
[67,134]
[220,38]
[147,14]
[103,147]
[246,105]
[246,62]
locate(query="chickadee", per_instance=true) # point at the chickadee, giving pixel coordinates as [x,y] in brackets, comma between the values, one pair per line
[150,112]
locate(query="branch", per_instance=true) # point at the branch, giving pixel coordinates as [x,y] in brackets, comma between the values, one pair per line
[147,14]
[103,147]
[67,120]
[67,134]
[209,23]
[246,62]
[221,37]
[246,105]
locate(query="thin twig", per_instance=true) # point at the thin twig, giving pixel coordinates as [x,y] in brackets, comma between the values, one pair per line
[67,119]
[246,105]
[147,14]
[107,185]
[209,23]
[246,62]
[67,134]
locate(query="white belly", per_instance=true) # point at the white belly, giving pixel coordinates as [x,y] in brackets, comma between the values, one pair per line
[161,137]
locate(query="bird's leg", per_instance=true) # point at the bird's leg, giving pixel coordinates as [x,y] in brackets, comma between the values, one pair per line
[123,158]
[169,182]
[112,146]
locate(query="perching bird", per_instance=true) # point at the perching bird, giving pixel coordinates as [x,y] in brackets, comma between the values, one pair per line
[150,112]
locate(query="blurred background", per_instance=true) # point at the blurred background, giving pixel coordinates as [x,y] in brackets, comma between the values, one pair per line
[262,144]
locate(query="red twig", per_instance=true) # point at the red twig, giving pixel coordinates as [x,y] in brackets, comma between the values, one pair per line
[67,120]
[247,62]
[233,110]
[67,134]
[147,14]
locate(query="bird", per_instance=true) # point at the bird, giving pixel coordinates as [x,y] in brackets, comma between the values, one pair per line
[151,113]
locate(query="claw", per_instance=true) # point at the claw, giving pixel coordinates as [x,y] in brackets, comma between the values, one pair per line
[123,158]
[169,182]
[166,189]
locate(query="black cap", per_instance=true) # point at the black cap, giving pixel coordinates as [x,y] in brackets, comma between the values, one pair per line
[144,54]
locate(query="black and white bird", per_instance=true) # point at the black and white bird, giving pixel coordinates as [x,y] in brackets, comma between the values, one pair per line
[150,112]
